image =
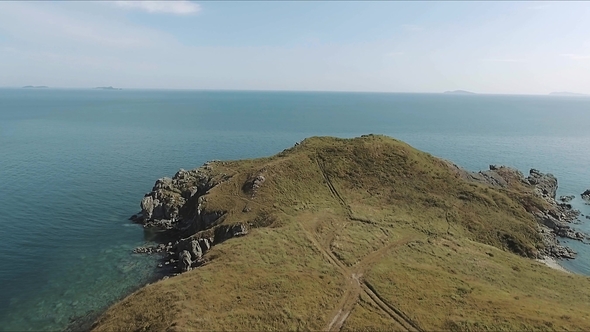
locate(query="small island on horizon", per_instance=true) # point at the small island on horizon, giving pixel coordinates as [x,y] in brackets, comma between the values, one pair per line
[35,87]
[107,88]
[567,94]
[459,92]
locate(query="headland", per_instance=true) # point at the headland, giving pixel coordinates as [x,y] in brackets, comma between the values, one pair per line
[349,234]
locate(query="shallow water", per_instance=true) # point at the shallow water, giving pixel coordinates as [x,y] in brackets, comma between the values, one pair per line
[75,164]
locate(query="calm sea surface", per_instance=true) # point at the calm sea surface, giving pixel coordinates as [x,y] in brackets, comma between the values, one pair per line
[74,165]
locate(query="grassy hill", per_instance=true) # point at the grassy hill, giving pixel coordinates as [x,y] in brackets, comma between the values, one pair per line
[361,234]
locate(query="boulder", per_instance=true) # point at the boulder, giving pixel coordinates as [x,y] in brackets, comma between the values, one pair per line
[205,244]
[196,251]
[185,261]
[493,178]
[147,207]
[586,195]
[169,195]
[163,183]
[545,184]
[239,230]
[258,181]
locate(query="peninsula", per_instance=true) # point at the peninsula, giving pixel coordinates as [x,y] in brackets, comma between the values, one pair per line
[355,234]
[35,87]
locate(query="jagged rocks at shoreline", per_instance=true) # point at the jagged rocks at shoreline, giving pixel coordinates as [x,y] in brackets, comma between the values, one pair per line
[161,207]
[166,208]
[557,215]
[586,195]
[553,218]
[187,253]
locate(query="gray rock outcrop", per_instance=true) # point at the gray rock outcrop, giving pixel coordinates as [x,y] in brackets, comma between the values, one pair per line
[177,206]
[185,261]
[553,218]
[586,195]
[545,184]
[196,251]
[162,207]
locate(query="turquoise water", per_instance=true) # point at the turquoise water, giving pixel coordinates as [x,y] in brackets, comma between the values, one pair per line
[74,165]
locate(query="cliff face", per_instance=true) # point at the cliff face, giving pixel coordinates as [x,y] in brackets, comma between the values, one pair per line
[366,233]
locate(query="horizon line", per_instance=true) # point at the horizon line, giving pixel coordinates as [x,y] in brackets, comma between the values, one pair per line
[471,93]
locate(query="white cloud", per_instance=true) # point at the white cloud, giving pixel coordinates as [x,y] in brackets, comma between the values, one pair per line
[394,53]
[576,56]
[181,7]
[79,30]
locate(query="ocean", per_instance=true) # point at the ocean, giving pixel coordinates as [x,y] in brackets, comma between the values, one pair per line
[74,165]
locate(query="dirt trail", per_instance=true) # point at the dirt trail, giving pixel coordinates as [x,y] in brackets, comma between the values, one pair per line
[330,185]
[355,285]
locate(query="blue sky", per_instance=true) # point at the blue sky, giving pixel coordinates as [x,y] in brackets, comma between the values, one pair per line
[502,47]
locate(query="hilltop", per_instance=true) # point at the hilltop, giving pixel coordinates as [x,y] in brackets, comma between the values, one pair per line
[355,234]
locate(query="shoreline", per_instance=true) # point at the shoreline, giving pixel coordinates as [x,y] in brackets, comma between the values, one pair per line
[552,263]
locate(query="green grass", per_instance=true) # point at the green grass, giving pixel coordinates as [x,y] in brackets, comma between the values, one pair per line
[449,254]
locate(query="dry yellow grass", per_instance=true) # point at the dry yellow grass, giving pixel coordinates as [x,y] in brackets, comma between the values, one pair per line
[363,234]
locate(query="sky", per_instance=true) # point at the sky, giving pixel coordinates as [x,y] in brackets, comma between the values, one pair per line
[487,47]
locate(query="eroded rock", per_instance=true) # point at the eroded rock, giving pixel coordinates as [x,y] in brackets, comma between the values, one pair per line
[196,251]
[545,184]
[161,207]
[185,261]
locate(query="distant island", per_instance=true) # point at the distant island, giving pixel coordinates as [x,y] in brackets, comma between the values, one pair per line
[35,87]
[460,92]
[107,88]
[568,94]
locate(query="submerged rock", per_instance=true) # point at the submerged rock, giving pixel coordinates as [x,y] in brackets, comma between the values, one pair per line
[567,198]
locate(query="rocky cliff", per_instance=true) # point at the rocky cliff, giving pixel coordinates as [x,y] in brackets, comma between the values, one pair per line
[553,217]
